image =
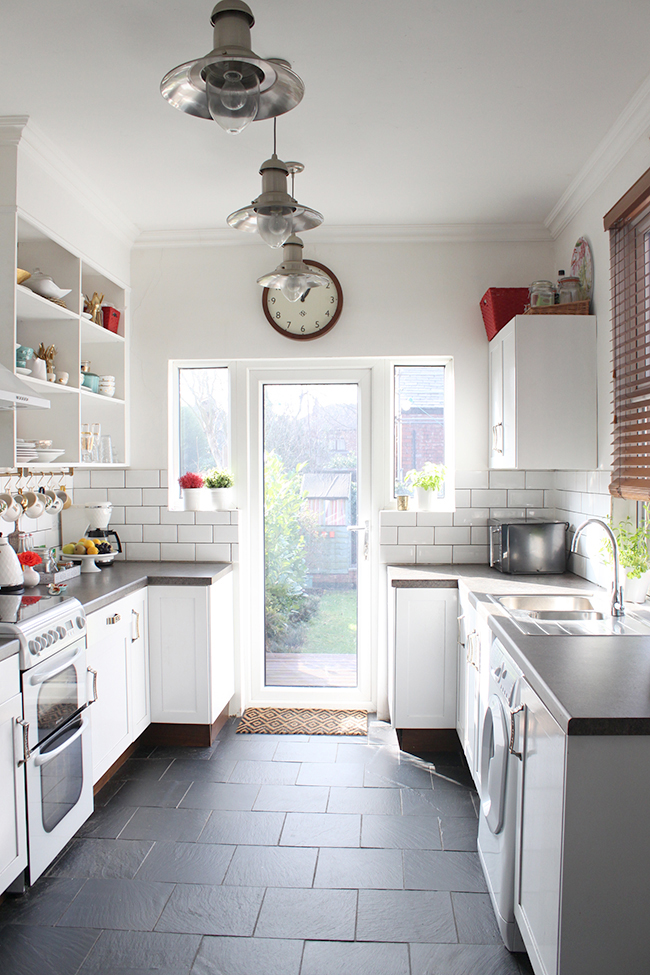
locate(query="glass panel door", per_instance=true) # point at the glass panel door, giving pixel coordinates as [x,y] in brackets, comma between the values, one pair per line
[310,443]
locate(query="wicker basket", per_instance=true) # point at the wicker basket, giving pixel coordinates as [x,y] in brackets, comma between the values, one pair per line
[571,308]
[499,305]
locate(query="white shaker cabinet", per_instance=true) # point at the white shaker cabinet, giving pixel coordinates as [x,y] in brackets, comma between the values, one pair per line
[13,818]
[422,657]
[543,393]
[191,653]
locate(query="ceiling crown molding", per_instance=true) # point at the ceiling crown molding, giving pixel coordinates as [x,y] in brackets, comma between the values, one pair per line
[361,234]
[18,130]
[631,124]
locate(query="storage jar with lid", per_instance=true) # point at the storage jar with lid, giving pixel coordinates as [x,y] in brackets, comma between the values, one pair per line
[568,289]
[542,293]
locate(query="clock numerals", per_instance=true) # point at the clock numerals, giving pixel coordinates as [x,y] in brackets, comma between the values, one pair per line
[288,324]
[302,328]
[327,314]
[278,314]
[272,299]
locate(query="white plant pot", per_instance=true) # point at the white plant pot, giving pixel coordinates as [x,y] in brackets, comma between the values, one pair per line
[30,576]
[425,500]
[635,590]
[220,498]
[196,499]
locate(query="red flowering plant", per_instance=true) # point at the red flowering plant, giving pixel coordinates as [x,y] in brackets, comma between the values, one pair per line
[190,480]
[29,558]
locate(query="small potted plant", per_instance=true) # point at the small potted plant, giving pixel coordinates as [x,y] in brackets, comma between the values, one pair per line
[633,555]
[219,484]
[193,491]
[426,484]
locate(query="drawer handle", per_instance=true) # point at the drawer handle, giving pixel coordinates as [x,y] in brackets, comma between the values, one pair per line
[135,626]
[110,620]
[27,752]
[511,743]
[94,673]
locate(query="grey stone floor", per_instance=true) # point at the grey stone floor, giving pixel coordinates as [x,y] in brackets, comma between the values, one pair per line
[268,855]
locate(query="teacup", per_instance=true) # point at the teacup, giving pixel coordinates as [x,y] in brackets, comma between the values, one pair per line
[35,504]
[64,498]
[53,503]
[13,509]
[62,377]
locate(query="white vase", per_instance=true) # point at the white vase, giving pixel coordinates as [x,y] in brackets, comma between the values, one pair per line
[220,498]
[195,499]
[30,576]
[425,500]
[635,590]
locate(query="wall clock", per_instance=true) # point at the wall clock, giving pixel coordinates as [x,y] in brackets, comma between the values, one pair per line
[316,313]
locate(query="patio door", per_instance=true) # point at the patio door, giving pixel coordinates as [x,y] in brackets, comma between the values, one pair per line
[310,536]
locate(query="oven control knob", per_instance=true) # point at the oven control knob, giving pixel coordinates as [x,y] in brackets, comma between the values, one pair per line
[33,648]
[61,631]
[81,622]
[53,635]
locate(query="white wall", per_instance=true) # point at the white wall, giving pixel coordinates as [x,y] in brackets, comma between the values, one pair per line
[399,299]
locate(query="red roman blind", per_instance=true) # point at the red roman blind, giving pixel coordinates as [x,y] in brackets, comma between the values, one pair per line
[629,234]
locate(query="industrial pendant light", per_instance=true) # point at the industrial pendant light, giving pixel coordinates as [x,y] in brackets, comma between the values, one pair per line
[233,85]
[275,214]
[293,277]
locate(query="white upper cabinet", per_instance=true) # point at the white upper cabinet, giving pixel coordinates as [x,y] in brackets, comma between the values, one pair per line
[542,393]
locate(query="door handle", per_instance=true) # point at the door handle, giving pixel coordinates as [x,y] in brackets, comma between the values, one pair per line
[49,756]
[94,673]
[135,625]
[365,528]
[111,620]
[26,749]
[511,743]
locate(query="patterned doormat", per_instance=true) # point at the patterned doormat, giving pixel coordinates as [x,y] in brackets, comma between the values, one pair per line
[302,721]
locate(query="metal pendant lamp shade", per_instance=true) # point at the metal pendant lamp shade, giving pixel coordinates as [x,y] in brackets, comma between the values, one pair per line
[275,214]
[232,85]
[293,277]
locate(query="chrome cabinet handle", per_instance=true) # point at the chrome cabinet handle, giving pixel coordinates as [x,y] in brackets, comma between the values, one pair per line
[511,743]
[135,625]
[27,752]
[94,673]
[459,620]
[113,619]
[496,430]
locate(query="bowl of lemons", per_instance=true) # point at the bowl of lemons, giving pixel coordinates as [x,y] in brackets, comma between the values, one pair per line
[88,553]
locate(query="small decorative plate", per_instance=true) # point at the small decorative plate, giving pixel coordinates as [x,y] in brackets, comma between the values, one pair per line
[582,267]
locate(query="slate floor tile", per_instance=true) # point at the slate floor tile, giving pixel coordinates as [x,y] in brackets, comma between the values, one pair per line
[240,827]
[101,858]
[181,751]
[401,832]
[187,863]
[443,800]
[42,904]
[105,794]
[202,909]
[403,774]
[383,802]
[247,956]
[380,869]
[142,951]
[33,950]
[219,795]
[405,915]
[430,870]
[292,798]
[475,919]
[150,769]
[459,833]
[261,748]
[308,751]
[321,829]
[275,773]
[271,866]
[329,957]
[107,822]
[165,824]
[128,905]
[361,754]
[330,773]
[322,915]
[462,960]
[194,770]
[165,793]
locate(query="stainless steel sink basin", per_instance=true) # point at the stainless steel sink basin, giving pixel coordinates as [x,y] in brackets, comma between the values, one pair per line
[560,603]
[566,615]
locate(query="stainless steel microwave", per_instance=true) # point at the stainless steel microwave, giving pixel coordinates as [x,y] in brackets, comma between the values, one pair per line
[528,547]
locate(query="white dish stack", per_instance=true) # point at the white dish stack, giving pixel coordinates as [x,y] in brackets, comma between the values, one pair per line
[107,385]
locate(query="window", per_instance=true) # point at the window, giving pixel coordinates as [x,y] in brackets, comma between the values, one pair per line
[421,424]
[629,232]
[200,398]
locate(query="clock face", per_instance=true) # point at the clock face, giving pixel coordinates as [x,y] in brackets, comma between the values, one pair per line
[312,315]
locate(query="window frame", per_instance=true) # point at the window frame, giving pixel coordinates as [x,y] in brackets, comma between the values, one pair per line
[174,494]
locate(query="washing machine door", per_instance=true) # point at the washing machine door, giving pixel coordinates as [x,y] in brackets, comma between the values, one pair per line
[494,764]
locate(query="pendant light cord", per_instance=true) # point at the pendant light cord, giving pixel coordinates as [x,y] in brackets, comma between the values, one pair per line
[275,135]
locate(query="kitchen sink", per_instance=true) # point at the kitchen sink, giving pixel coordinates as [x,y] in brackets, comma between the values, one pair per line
[560,603]
[566,615]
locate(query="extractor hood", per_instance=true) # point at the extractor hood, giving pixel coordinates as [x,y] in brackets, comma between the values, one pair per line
[15,394]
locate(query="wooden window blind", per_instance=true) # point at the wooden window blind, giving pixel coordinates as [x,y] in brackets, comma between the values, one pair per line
[629,232]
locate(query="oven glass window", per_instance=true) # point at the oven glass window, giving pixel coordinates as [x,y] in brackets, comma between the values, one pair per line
[57,701]
[61,776]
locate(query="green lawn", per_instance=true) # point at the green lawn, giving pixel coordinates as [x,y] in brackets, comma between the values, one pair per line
[334,627]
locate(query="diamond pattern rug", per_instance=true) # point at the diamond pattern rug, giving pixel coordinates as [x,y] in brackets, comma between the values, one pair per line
[302,721]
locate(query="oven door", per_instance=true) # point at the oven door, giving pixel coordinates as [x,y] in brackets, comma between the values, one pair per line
[59,769]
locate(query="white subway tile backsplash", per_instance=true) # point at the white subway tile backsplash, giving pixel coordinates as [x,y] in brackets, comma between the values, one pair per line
[107,479]
[133,533]
[508,479]
[177,517]
[414,536]
[527,499]
[155,496]
[84,495]
[81,479]
[452,536]
[399,518]
[471,479]
[143,479]
[213,517]
[463,499]
[234,553]
[138,515]
[163,479]
[489,499]
[177,553]
[225,533]
[471,516]
[470,554]
[213,553]
[479,536]
[125,495]
[388,535]
[540,479]
[194,533]
[402,554]
[118,515]
[234,516]
[434,518]
[143,551]
[433,554]
[507,514]
[159,533]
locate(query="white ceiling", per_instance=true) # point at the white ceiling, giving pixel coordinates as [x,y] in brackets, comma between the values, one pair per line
[415,112]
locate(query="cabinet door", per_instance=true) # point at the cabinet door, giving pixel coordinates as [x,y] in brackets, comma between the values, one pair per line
[222,645]
[178,654]
[108,656]
[13,818]
[138,645]
[495,352]
[425,658]
[539,831]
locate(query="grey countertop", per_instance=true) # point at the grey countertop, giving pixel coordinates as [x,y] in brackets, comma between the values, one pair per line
[8,647]
[592,685]
[96,590]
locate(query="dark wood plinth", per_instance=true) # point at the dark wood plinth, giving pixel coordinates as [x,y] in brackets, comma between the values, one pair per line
[417,741]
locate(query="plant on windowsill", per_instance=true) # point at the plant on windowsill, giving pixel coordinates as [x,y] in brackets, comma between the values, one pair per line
[193,491]
[218,484]
[633,555]
[426,484]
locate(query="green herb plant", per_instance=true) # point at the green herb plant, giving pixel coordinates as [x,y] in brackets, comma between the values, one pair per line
[430,478]
[633,544]
[218,479]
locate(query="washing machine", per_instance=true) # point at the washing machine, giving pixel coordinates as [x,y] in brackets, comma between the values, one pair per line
[498,813]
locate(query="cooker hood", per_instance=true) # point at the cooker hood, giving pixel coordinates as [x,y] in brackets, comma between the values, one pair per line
[15,394]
